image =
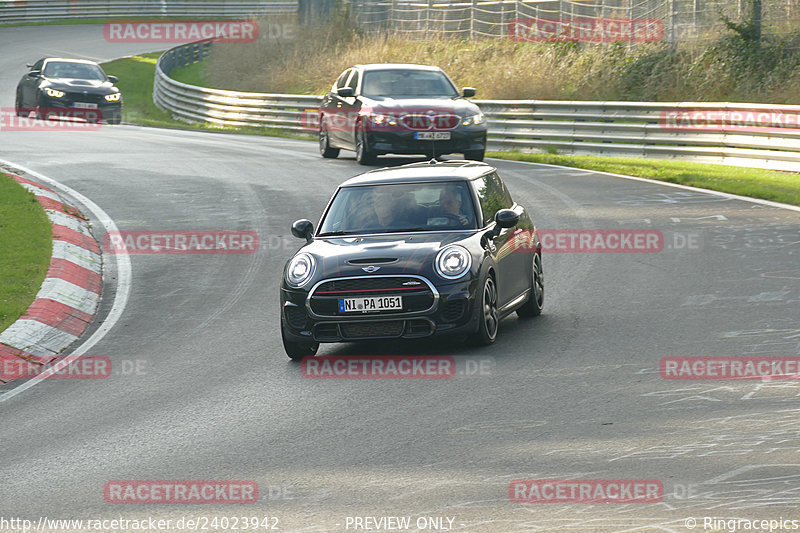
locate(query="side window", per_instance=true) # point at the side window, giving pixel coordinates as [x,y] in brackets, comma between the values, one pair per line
[492,195]
[342,79]
[38,65]
[354,81]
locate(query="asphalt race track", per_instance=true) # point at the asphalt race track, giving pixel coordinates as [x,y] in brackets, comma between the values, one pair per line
[573,394]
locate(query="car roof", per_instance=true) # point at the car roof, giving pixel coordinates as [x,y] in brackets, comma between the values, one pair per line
[69,60]
[396,66]
[422,172]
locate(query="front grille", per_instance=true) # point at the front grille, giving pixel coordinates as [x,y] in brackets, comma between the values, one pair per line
[360,330]
[417,295]
[87,98]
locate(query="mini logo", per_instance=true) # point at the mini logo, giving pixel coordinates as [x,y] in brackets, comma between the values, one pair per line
[371,269]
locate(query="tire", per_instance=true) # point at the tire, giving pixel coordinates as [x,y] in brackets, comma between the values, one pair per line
[488,314]
[363,154]
[325,149]
[297,350]
[533,307]
[474,155]
[18,107]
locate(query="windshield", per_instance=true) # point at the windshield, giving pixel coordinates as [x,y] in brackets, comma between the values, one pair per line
[429,206]
[79,71]
[407,84]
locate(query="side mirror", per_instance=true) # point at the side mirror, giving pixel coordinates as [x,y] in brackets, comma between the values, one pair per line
[34,73]
[505,218]
[302,229]
[468,92]
[113,79]
[346,92]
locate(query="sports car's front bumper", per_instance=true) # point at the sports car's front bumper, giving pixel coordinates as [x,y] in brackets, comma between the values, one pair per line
[428,309]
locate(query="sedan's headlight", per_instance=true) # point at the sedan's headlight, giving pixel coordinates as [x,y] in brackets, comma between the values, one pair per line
[113,97]
[453,262]
[473,119]
[383,120]
[54,93]
[300,270]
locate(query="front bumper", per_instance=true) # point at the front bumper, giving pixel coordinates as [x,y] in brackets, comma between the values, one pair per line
[462,139]
[105,110]
[452,313]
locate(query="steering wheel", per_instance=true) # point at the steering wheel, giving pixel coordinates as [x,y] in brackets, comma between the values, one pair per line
[456,218]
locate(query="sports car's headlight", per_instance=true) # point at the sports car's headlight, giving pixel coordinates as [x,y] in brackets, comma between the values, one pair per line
[383,120]
[54,93]
[474,119]
[453,262]
[300,270]
[113,97]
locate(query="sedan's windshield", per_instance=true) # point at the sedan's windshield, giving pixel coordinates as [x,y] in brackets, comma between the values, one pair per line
[407,84]
[79,71]
[429,206]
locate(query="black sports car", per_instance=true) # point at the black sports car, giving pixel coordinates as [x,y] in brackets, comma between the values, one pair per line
[69,88]
[413,251]
[399,109]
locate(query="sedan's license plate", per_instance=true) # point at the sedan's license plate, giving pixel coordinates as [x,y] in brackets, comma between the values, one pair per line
[83,105]
[372,303]
[432,135]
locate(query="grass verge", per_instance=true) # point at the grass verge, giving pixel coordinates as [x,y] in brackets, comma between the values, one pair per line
[136,75]
[25,249]
[757,183]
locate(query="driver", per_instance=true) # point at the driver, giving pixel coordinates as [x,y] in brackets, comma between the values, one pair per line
[450,204]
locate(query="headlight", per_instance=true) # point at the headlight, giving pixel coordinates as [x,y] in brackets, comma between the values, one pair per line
[300,270]
[113,97]
[383,120]
[474,119]
[453,262]
[54,93]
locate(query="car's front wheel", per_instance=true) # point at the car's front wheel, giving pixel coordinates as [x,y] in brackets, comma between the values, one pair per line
[297,350]
[18,106]
[325,149]
[475,155]
[363,154]
[535,303]
[489,315]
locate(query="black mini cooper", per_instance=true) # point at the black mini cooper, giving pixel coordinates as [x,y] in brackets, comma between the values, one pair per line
[409,252]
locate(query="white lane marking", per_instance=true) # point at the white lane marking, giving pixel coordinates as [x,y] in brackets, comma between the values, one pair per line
[124,280]
[666,184]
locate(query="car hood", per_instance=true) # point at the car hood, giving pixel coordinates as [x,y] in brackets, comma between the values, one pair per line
[72,85]
[459,106]
[401,253]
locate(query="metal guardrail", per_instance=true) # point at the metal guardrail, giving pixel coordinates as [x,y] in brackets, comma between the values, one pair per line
[618,129]
[14,11]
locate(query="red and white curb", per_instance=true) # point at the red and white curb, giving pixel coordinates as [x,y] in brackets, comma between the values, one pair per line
[69,296]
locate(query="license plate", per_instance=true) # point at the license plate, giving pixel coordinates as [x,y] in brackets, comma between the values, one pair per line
[83,105]
[432,135]
[371,303]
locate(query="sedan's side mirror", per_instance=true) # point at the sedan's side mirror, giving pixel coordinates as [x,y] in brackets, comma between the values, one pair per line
[34,73]
[302,229]
[505,218]
[113,79]
[346,92]
[468,92]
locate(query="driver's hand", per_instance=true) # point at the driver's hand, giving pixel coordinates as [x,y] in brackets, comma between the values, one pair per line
[463,220]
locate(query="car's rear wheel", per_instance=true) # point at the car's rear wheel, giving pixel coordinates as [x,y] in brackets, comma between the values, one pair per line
[489,315]
[475,155]
[363,154]
[535,303]
[325,149]
[297,350]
